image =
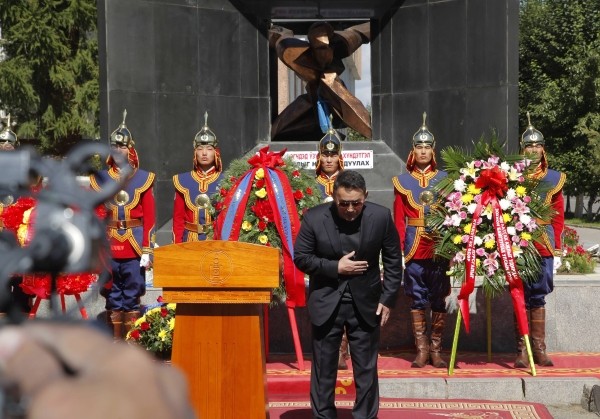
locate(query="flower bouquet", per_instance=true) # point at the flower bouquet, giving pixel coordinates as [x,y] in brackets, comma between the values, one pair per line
[154,330]
[487,219]
[575,258]
[261,200]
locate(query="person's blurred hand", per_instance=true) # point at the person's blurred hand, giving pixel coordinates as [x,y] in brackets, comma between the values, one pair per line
[73,371]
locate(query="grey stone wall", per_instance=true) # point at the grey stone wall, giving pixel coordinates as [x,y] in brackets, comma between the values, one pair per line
[168,62]
[570,320]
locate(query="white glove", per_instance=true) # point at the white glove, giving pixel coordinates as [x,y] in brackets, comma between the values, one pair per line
[145,261]
[557,263]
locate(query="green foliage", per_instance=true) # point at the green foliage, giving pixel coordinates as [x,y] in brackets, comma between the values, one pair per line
[559,83]
[49,74]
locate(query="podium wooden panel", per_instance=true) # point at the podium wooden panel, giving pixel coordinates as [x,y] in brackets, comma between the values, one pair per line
[219,288]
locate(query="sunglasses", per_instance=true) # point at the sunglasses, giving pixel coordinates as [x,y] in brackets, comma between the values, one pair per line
[348,204]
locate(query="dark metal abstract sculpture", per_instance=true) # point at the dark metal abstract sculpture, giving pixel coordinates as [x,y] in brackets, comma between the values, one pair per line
[318,62]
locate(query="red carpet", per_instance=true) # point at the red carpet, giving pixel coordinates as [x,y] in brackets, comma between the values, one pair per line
[283,377]
[288,387]
[422,409]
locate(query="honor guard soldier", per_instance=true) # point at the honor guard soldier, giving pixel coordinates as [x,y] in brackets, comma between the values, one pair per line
[10,142]
[131,232]
[192,206]
[425,279]
[532,145]
[329,161]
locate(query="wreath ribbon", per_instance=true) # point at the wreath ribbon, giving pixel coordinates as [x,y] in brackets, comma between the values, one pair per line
[495,184]
[281,199]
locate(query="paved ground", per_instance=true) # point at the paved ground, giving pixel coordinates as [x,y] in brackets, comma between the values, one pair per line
[588,236]
[570,412]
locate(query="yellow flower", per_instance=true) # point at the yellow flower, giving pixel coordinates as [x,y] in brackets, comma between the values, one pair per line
[466,198]
[162,334]
[467,228]
[260,173]
[521,191]
[490,244]
[263,239]
[526,236]
[474,190]
[171,323]
[152,311]
[261,193]
[171,306]
[457,239]
[139,321]
[246,226]
[507,217]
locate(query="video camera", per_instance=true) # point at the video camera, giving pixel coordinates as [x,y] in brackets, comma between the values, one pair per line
[68,236]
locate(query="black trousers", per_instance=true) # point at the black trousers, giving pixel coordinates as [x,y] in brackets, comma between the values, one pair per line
[364,341]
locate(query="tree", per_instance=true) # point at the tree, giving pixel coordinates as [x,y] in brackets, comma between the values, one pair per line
[49,74]
[559,84]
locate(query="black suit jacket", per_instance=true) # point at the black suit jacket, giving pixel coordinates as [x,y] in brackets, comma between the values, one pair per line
[318,249]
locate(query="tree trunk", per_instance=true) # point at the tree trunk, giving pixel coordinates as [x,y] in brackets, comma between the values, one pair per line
[590,207]
[579,206]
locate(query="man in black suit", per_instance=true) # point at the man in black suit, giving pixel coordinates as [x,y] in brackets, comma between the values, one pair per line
[338,246]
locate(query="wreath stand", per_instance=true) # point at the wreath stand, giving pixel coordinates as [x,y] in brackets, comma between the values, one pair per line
[49,289]
[488,303]
[38,300]
[295,334]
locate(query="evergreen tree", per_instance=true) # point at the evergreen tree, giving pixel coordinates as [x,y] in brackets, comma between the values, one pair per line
[559,83]
[49,71]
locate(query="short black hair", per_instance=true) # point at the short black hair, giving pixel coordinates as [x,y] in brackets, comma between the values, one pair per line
[350,179]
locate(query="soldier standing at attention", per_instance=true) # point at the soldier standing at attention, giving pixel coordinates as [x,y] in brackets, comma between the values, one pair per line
[425,279]
[191,208]
[131,223]
[532,144]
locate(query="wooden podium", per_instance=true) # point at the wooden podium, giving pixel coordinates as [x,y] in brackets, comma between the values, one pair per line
[219,288]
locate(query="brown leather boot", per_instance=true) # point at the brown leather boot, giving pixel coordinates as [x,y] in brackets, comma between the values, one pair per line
[522,360]
[343,353]
[129,319]
[114,319]
[538,337]
[419,323]
[438,321]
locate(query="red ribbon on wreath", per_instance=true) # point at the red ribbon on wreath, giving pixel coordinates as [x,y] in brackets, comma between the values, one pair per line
[494,184]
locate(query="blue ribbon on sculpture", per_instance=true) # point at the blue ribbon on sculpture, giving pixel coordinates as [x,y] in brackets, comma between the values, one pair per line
[323,112]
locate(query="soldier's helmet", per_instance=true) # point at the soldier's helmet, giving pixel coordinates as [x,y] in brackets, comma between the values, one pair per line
[423,135]
[205,136]
[531,135]
[330,143]
[122,135]
[7,136]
